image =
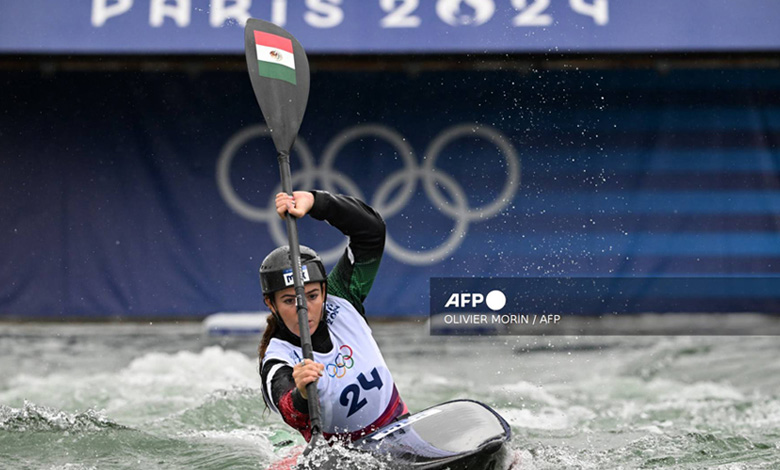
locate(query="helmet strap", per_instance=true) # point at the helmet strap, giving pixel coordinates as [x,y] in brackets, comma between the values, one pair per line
[274,311]
[324,311]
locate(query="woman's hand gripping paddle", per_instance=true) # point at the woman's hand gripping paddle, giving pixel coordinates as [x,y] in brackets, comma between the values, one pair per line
[279,71]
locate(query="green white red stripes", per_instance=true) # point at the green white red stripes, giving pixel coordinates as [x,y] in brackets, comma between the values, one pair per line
[275,57]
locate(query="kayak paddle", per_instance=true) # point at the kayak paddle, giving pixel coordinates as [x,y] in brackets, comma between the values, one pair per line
[279,72]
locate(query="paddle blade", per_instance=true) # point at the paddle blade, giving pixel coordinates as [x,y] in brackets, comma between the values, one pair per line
[279,71]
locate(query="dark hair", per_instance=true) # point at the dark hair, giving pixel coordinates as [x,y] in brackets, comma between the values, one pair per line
[270,329]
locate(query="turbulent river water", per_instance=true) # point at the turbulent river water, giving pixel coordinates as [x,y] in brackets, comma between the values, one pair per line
[148,396]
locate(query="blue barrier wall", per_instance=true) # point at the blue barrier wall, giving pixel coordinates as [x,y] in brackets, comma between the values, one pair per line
[147,194]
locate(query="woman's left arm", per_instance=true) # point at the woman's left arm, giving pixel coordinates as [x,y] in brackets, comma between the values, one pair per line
[354,273]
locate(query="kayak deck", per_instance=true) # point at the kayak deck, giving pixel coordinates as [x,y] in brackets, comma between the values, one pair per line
[456,435]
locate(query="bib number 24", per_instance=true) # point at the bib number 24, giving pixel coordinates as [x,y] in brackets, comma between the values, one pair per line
[350,396]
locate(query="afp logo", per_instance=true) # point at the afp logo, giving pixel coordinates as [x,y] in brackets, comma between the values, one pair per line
[495,300]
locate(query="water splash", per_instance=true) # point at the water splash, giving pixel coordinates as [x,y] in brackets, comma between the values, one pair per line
[37,418]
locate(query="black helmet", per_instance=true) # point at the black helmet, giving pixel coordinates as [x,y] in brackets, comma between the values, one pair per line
[276,270]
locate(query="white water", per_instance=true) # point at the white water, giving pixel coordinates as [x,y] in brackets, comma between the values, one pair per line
[163,396]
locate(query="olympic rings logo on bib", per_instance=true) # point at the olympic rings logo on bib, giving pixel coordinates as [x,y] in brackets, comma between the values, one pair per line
[344,361]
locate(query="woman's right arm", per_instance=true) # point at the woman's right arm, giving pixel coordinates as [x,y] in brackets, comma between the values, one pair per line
[283,386]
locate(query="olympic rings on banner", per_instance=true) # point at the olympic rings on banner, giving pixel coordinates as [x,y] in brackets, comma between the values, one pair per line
[338,368]
[401,185]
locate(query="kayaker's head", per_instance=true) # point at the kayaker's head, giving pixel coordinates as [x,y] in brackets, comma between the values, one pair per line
[276,279]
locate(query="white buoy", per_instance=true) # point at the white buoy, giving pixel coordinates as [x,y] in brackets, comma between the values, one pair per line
[235,323]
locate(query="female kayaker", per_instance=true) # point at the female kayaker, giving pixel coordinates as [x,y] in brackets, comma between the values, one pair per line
[356,390]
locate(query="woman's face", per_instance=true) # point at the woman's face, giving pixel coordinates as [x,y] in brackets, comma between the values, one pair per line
[285,306]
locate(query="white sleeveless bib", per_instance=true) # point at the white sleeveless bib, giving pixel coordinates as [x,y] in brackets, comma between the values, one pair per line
[356,386]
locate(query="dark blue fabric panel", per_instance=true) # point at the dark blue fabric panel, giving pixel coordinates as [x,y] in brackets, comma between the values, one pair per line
[111,206]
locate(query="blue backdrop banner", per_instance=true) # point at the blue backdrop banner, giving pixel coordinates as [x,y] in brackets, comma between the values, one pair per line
[395,26]
[149,194]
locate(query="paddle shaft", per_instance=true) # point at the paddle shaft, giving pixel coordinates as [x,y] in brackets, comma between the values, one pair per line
[300,297]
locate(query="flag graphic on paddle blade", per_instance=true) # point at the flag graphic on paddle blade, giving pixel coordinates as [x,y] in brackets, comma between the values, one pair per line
[275,57]
[279,71]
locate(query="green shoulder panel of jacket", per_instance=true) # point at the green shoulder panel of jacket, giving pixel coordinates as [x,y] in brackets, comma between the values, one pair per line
[353,281]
